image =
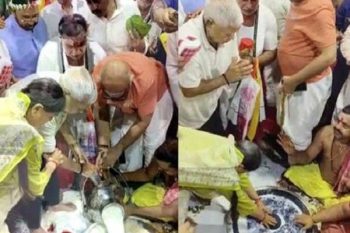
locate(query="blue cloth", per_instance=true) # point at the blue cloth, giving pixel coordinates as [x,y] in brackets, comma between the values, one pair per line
[172,3]
[343,16]
[24,46]
[190,6]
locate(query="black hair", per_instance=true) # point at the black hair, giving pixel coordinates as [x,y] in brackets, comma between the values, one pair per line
[252,155]
[234,212]
[72,25]
[48,93]
[346,109]
[168,152]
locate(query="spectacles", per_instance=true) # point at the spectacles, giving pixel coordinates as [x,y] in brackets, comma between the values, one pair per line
[115,96]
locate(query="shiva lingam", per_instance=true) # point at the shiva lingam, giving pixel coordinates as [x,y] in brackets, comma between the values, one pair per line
[284,206]
[102,198]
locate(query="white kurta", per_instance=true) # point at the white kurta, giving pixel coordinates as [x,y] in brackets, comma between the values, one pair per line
[48,58]
[111,33]
[207,64]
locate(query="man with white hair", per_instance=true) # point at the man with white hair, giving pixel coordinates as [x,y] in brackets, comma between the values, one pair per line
[81,92]
[214,67]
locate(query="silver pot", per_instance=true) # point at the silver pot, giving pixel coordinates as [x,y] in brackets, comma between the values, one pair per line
[96,194]
[101,197]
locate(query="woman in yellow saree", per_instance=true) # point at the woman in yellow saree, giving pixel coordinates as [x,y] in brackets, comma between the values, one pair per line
[212,166]
[21,144]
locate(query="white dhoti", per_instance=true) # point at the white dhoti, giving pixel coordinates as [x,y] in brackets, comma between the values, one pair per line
[153,137]
[303,110]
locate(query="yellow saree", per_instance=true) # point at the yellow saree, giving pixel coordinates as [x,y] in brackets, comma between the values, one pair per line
[18,141]
[207,167]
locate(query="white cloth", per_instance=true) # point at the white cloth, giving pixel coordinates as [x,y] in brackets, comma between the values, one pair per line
[5,65]
[48,130]
[207,64]
[280,9]
[267,31]
[266,40]
[243,103]
[154,136]
[53,13]
[303,110]
[5,59]
[111,33]
[343,97]
[172,66]
[48,58]
[345,45]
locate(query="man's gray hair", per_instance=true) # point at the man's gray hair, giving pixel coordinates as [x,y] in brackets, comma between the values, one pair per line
[224,13]
[78,82]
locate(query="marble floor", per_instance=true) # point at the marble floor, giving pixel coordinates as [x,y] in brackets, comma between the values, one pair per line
[267,175]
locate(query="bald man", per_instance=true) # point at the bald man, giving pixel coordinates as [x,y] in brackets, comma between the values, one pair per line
[134,109]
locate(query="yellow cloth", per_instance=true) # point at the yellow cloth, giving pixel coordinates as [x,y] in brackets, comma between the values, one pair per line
[309,179]
[207,160]
[218,157]
[245,205]
[164,40]
[253,125]
[148,195]
[18,141]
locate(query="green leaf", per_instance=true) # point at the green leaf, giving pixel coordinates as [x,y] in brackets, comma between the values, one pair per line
[136,23]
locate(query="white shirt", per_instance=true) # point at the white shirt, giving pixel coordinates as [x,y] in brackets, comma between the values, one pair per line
[111,33]
[48,58]
[207,64]
[53,13]
[280,9]
[267,31]
[172,66]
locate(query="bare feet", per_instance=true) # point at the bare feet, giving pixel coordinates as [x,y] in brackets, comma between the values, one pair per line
[67,207]
[39,230]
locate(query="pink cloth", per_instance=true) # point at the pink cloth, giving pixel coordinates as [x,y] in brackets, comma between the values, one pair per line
[172,194]
[343,176]
[188,48]
[340,227]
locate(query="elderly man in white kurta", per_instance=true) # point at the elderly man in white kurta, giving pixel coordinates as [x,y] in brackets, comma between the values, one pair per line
[215,66]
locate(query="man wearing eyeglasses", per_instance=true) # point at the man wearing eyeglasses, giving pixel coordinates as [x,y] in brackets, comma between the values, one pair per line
[134,109]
